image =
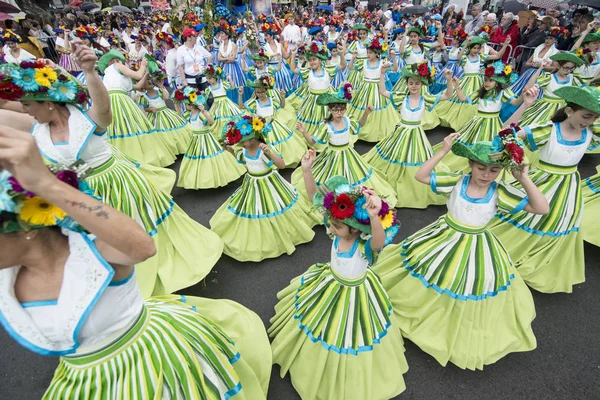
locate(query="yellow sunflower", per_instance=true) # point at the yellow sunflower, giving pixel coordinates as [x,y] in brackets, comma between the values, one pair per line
[193,97]
[432,71]
[37,211]
[45,76]
[507,69]
[386,221]
[384,47]
[579,52]
[257,124]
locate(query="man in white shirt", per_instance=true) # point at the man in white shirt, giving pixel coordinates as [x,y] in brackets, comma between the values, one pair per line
[291,33]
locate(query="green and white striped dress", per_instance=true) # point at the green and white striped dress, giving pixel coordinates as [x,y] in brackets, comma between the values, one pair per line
[309,113]
[265,217]
[548,249]
[333,330]
[355,77]
[544,108]
[174,130]
[454,290]
[340,159]
[590,226]
[223,109]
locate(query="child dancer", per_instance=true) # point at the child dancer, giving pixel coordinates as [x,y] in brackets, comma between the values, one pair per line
[338,156]
[223,109]
[548,251]
[454,290]
[403,151]
[589,52]
[285,141]
[359,49]
[383,119]
[332,329]
[265,217]
[205,164]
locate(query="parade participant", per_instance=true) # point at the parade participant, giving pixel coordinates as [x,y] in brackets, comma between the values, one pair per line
[284,140]
[284,79]
[317,76]
[589,53]
[337,51]
[265,217]
[81,279]
[333,329]
[400,154]
[205,164]
[359,48]
[339,157]
[223,109]
[136,53]
[227,57]
[454,291]
[383,119]
[191,61]
[548,251]
[456,113]
[130,131]
[63,48]
[13,54]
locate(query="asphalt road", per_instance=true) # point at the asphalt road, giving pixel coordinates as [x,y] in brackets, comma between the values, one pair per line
[566,364]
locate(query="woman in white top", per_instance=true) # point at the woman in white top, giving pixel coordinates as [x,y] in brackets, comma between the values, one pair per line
[13,53]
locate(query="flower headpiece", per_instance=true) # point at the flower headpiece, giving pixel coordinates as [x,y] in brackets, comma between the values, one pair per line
[508,149]
[260,55]
[113,40]
[558,32]
[352,36]
[189,95]
[270,28]
[21,210]
[336,20]
[377,45]
[223,26]
[156,72]
[10,36]
[146,30]
[418,29]
[345,92]
[214,71]
[585,54]
[263,81]
[85,32]
[33,80]
[245,128]
[459,34]
[422,72]
[339,200]
[315,49]
[343,96]
[501,73]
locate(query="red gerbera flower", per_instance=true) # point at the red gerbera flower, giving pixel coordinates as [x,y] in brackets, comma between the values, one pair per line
[489,71]
[343,207]
[516,152]
[314,48]
[423,70]
[179,96]
[235,136]
[9,91]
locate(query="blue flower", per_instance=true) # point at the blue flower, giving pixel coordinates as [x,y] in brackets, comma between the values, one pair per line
[360,213]
[6,201]
[390,233]
[498,67]
[345,188]
[497,144]
[25,79]
[245,127]
[64,91]
[513,77]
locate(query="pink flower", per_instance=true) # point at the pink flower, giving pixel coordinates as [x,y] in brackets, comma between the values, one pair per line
[68,177]
[16,186]
[328,200]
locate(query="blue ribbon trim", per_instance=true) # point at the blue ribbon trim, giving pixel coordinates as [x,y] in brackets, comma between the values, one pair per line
[203,157]
[259,216]
[396,162]
[535,231]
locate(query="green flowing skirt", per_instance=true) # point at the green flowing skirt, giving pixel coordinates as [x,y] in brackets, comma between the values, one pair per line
[310,114]
[336,337]
[399,156]
[590,226]
[295,99]
[264,218]
[345,161]
[381,121]
[133,134]
[541,111]
[547,250]
[174,130]
[180,241]
[355,77]
[187,348]
[454,113]
[285,141]
[206,164]
[222,111]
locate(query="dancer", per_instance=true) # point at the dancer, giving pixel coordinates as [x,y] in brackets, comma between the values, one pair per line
[284,79]
[339,157]
[285,141]
[359,49]
[333,329]
[130,131]
[590,228]
[13,53]
[454,290]
[205,164]
[223,109]
[383,119]
[63,48]
[548,251]
[265,217]
[458,36]
[400,154]
[69,294]
[228,59]
[589,52]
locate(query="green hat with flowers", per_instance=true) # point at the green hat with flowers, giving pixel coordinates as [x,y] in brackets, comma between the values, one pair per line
[418,29]
[501,73]
[506,150]
[566,56]
[108,57]
[591,37]
[421,72]
[189,95]
[35,81]
[315,49]
[360,27]
[475,40]
[262,82]
[260,55]
[245,128]
[214,71]
[337,199]
[343,96]
[155,71]
[587,97]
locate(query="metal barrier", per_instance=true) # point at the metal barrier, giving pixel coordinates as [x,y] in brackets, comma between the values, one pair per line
[526,50]
[498,46]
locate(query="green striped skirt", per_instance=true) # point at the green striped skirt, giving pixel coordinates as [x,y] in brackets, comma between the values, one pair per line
[222,111]
[463,263]
[345,316]
[170,352]
[262,196]
[561,187]
[355,77]
[590,227]
[174,130]
[407,146]
[367,94]
[454,113]
[541,111]
[344,161]
[121,185]
[128,120]
[290,145]
[311,114]
[295,99]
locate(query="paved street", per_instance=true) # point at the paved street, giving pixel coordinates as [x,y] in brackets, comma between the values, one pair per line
[566,364]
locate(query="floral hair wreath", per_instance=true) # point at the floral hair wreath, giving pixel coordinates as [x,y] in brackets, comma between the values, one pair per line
[190,95]
[315,49]
[267,81]
[508,149]
[378,45]
[10,36]
[558,32]
[585,55]
[352,36]
[459,34]
[85,32]
[270,28]
[501,72]
[23,210]
[345,92]
[245,128]
[214,71]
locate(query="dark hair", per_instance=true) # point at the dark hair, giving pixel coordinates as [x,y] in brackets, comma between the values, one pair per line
[482,92]
[587,18]
[561,114]
[330,116]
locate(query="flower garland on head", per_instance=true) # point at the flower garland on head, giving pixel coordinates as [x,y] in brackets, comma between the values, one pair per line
[9,36]
[558,32]
[352,36]
[501,73]
[459,34]
[336,20]
[585,54]
[421,71]
[378,46]
[508,149]
[245,128]
[345,91]
[214,71]
[315,49]
[34,80]
[85,32]
[189,95]
[266,81]
[270,28]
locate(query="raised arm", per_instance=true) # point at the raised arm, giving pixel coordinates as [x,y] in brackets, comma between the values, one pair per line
[423,175]
[300,128]
[240,101]
[590,28]
[450,88]
[529,97]
[366,114]
[309,180]
[293,65]
[382,89]
[498,55]
[373,207]
[464,49]
[137,75]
